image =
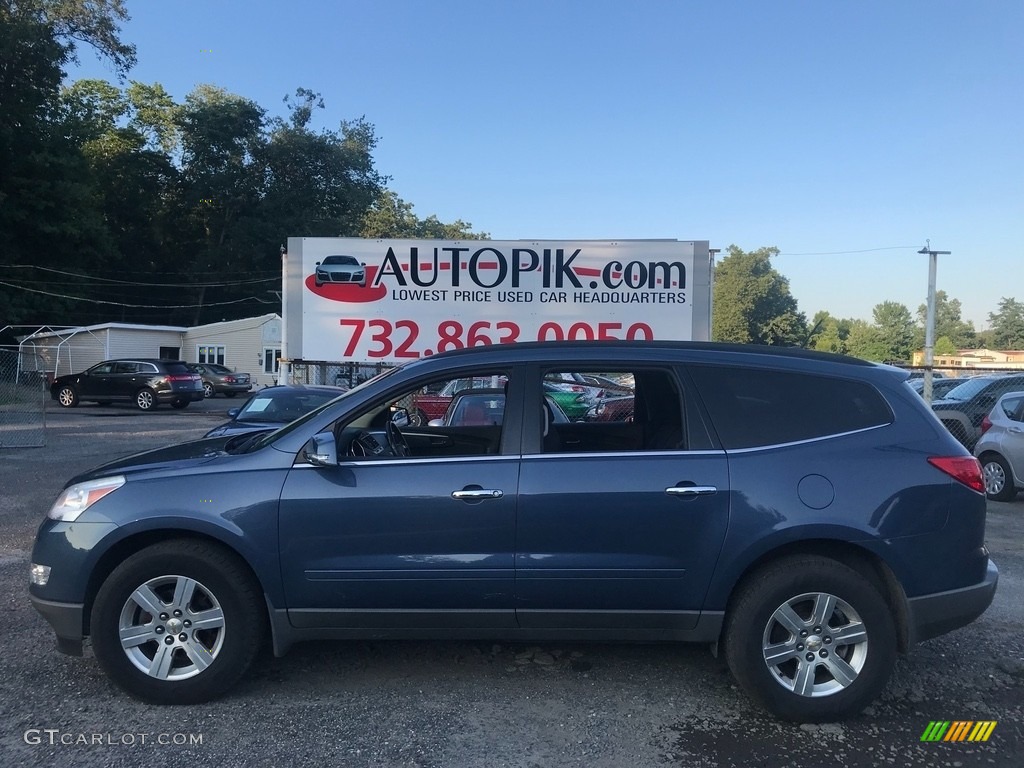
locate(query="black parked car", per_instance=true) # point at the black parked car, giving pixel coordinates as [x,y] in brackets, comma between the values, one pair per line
[962,408]
[145,382]
[273,406]
[803,513]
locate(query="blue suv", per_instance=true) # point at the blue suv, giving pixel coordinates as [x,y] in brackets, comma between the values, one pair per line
[805,514]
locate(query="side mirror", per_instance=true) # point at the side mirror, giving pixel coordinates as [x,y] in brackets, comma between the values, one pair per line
[318,263]
[323,452]
[435,423]
[233,412]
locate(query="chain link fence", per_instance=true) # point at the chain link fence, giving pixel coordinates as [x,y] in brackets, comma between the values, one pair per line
[23,397]
[344,375]
[963,397]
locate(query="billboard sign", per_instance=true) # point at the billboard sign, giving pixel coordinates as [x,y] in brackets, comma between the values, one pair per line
[351,299]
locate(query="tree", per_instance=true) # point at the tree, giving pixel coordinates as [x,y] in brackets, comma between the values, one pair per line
[947,323]
[867,342]
[895,330]
[752,302]
[391,216]
[1008,324]
[829,334]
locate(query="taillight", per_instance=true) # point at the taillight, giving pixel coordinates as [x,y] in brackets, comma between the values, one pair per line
[965,469]
[986,424]
[229,379]
[182,377]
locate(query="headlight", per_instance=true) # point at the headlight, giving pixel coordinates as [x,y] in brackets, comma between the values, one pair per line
[79,497]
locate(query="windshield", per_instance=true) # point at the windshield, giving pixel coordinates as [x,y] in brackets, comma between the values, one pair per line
[271,437]
[967,390]
[280,406]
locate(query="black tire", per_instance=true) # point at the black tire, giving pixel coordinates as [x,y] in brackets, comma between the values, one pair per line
[418,418]
[67,396]
[219,580]
[999,485]
[843,678]
[208,390]
[179,404]
[145,399]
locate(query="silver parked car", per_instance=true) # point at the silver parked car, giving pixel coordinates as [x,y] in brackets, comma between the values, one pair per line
[1001,447]
[340,269]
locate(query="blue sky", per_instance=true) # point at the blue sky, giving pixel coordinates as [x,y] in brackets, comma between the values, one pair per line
[816,127]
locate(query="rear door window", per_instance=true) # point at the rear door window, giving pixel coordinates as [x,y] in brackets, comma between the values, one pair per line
[752,407]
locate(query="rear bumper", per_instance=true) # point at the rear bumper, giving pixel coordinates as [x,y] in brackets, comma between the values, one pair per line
[188,395]
[67,622]
[224,389]
[933,615]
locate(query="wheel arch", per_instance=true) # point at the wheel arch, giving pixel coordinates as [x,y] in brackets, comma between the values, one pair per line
[136,542]
[867,563]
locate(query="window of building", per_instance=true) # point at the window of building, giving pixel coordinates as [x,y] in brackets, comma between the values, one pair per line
[271,359]
[210,353]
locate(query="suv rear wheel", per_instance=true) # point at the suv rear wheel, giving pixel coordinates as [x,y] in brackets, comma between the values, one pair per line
[811,638]
[998,476]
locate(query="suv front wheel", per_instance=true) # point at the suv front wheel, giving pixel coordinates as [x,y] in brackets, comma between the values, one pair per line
[67,396]
[811,638]
[145,399]
[178,622]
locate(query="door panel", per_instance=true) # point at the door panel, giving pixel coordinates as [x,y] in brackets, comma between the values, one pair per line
[382,542]
[599,536]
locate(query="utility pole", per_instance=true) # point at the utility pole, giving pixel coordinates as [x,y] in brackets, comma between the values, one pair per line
[929,325]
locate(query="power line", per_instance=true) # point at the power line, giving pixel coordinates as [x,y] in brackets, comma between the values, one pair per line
[138,306]
[841,253]
[132,282]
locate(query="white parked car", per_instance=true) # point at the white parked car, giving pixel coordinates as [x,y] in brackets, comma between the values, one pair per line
[1001,447]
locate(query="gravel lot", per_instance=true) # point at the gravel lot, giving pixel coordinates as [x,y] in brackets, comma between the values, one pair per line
[459,703]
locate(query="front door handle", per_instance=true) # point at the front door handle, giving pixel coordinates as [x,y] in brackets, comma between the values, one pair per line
[691,491]
[477,494]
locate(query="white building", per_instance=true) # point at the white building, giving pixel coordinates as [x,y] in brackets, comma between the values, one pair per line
[251,345]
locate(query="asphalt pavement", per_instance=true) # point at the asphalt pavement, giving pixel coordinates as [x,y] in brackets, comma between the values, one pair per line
[460,704]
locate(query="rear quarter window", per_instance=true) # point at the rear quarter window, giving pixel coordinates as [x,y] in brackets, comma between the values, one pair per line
[752,407]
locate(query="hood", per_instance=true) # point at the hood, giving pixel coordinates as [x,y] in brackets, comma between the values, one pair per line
[178,457]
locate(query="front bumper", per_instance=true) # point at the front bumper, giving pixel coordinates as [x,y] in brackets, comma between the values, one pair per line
[67,620]
[933,615]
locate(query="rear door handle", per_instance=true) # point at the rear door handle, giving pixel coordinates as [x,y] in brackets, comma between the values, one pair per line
[691,491]
[478,494]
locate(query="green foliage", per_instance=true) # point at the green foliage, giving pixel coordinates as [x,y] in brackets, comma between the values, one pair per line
[895,331]
[752,302]
[93,22]
[947,323]
[945,346]
[829,334]
[1008,324]
[867,342]
[390,216]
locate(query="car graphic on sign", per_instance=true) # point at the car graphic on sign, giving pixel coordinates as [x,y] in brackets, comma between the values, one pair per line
[340,269]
